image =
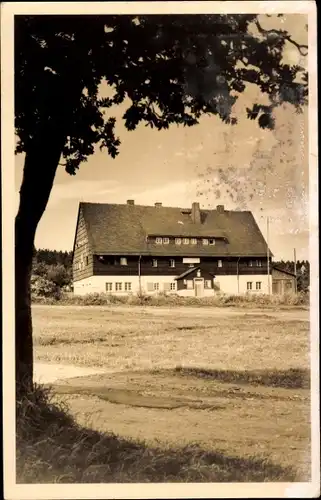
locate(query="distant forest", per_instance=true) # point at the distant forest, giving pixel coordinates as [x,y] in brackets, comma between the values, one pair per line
[52,271]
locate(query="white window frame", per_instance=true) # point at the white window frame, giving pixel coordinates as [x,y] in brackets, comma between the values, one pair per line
[205,241]
[249,285]
[109,286]
[178,241]
[172,263]
[159,240]
[219,263]
[165,241]
[123,261]
[185,241]
[193,241]
[173,286]
[155,263]
[156,287]
[118,286]
[128,286]
[258,285]
[211,241]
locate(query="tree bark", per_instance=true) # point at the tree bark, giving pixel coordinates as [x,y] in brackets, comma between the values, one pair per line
[41,162]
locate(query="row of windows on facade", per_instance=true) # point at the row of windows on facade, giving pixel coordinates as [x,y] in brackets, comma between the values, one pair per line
[185,241]
[127,287]
[258,285]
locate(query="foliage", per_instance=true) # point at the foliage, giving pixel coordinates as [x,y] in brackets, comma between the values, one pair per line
[168,69]
[42,287]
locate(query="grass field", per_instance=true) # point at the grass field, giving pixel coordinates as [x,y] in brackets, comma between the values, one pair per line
[194,395]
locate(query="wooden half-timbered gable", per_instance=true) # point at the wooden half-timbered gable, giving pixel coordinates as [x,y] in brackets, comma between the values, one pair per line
[128,248]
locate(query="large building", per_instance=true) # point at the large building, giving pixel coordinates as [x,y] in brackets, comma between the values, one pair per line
[128,248]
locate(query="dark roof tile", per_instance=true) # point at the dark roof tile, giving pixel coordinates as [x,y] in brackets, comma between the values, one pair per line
[123,229]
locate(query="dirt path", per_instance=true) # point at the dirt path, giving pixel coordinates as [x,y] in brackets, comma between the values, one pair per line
[283,314]
[47,373]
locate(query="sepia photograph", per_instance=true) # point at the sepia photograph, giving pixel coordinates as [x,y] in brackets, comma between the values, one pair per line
[160,250]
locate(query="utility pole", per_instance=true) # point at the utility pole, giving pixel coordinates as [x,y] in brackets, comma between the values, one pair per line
[295,272]
[268,254]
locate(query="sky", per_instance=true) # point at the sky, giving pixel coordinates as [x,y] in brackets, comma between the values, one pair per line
[242,167]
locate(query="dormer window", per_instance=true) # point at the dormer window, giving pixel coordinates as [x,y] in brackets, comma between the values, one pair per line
[205,241]
[193,241]
[186,241]
[159,241]
[166,241]
[178,241]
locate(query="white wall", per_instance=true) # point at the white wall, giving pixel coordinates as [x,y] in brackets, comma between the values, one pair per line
[228,284]
[231,284]
[97,284]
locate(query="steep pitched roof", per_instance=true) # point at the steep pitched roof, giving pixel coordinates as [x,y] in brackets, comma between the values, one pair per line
[123,229]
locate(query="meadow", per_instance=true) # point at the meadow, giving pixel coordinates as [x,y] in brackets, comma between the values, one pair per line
[189,394]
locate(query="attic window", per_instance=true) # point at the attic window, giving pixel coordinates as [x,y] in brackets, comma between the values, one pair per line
[178,241]
[186,241]
[166,241]
[219,263]
[159,241]
[154,262]
[205,241]
[211,241]
[194,241]
[123,261]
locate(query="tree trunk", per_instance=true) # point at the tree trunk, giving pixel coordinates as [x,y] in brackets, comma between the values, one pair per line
[41,162]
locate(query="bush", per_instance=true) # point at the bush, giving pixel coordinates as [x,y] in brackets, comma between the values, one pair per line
[44,288]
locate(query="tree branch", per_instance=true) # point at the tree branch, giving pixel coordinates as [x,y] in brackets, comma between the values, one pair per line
[301,47]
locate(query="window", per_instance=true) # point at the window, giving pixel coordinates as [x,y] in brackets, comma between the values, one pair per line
[190,264]
[159,241]
[171,262]
[194,241]
[178,241]
[166,241]
[109,287]
[219,263]
[87,260]
[154,262]
[249,285]
[118,287]
[207,284]
[205,241]
[173,286]
[258,285]
[190,284]
[186,241]
[156,286]
[123,261]
[212,241]
[259,263]
[150,287]
[128,287]
[251,263]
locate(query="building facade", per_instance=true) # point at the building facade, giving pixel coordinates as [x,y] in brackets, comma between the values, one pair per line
[122,249]
[283,281]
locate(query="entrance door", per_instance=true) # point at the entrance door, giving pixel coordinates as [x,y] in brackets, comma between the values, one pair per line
[199,286]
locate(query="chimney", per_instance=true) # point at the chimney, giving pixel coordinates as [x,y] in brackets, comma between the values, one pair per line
[158,204]
[196,213]
[220,209]
[130,202]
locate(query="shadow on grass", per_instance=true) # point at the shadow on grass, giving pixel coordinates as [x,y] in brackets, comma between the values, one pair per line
[53,448]
[293,378]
